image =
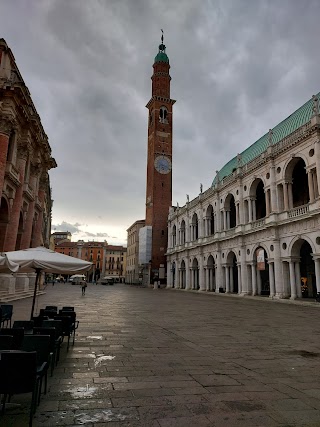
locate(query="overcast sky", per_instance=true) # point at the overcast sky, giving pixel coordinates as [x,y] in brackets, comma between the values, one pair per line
[238,68]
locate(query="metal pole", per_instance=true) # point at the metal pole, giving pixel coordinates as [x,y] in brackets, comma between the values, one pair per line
[38,271]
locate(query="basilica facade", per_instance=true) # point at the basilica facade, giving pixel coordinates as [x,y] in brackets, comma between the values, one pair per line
[256,230]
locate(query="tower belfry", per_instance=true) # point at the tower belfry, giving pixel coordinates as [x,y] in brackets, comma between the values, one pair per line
[159,162]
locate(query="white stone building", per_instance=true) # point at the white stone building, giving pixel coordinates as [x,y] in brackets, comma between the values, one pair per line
[263,203]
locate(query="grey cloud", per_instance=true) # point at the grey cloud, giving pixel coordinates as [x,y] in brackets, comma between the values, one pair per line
[238,68]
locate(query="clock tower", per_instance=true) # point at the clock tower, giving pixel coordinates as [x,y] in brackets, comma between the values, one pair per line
[159,164]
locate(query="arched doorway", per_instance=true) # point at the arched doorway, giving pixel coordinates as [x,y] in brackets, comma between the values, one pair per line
[232,282]
[4,220]
[210,275]
[262,271]
[304,269]
[195,274]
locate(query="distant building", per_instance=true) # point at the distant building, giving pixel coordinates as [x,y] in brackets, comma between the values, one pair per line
[25,159]
[132,270]
[106,259]
[115,261]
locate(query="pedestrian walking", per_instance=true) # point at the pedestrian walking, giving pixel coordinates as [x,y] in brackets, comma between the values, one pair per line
[83,287]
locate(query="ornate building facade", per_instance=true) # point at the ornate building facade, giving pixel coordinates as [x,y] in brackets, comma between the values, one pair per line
[25,159]
[256,230]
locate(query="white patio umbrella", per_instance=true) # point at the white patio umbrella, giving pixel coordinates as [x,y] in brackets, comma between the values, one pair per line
[7,266]
[45,260]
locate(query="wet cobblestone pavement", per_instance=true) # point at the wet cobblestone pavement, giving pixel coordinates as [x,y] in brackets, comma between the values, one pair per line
[165,358]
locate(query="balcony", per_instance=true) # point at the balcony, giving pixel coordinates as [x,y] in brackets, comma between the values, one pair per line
[259,223]
[300,210]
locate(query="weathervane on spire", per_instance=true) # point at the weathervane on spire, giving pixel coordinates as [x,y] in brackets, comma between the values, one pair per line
[162,36]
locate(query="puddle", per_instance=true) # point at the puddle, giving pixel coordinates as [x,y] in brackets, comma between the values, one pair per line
[94,337]
[101,358]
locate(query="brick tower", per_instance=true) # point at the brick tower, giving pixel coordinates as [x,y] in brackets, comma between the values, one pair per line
[159,164]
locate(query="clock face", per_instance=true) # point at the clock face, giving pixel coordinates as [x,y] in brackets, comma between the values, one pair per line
[162,164]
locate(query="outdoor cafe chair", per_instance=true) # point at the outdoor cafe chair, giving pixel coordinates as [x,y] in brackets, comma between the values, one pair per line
[57,325]
[51,308]
[27,325]
[53,349]
[16,333]
[68,327]
[6,343]
[68,308]
[40,344]
[18,373]
[7,312]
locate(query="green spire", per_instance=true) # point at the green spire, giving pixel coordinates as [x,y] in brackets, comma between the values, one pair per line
[161,56]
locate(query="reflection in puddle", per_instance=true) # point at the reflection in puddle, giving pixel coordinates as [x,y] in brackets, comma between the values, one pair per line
[101,358]
[94,337]
[106,415]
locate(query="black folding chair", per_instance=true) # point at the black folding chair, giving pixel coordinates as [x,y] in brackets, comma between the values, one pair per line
[18,373]
[68,308]
[16,333]
[68,326]
[6,343]
[7,312]
[57,325]
[40,344]
[53,349]
[27,325]
[51,308]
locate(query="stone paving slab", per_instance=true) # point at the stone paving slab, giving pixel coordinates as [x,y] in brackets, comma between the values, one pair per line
[145,358]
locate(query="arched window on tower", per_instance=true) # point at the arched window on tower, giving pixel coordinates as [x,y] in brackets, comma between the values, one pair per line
[163,115]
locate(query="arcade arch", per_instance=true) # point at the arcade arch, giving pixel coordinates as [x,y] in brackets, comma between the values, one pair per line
[229,212]
[210,274]
[231,273]
[195,275]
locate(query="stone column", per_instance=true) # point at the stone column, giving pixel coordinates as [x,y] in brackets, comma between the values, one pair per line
[254,210]
[271,279]
[237,213]
[239,279]
[227,270]
[37,237]
[250,210]
[267,202]
[12,230]
[228,219]
[188,284]
[244,272]
[310,185]
[317,159]
[207,272]
[278,273]
[290,195]
[317,271]
[169,275]
[292,280]
[298,279]
[231,281]
[224,219]
[202,283]
[6,126]
[274,204]
[286,197]
[220,276]
[254,279]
